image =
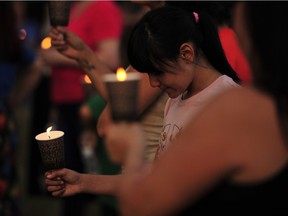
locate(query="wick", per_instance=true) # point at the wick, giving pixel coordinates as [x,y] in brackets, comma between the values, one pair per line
[49,137]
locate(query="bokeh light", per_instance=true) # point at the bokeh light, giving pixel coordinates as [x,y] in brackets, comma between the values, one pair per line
[46,43]
[22,34]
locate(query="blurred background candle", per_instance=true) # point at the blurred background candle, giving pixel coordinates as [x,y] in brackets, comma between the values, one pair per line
[59,12]
[122,90]
[51,146]
[46,43]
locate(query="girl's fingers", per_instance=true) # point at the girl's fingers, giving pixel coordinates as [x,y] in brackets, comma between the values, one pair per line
[53,182]
[58,193]
[56,42]
[59,45]
[55,188]
[61,29]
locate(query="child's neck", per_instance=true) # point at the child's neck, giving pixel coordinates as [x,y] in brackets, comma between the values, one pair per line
[204,76]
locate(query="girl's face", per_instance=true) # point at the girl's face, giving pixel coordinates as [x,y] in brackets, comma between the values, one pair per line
[174,80]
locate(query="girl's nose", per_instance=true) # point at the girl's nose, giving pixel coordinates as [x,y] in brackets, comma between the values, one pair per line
[154,81]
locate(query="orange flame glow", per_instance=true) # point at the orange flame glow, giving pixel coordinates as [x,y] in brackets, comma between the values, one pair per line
[121,74]
[46,43]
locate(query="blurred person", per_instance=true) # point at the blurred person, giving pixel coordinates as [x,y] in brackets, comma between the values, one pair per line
[30,22]
[132,13]
[99,24]
[19,73]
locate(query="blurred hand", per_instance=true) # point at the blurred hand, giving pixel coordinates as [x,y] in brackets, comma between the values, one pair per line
[68,43]
[125,143]
[63,182]
[103,121]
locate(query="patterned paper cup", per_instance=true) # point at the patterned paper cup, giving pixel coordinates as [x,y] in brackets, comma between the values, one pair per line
[52,149]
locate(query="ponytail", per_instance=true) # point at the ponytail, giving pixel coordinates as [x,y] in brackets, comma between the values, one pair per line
[212,48]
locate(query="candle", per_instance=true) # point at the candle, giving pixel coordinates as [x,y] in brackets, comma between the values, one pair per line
[122,90]
[59,12]
[51,146]
[121,76]
[86,79]
[49,135]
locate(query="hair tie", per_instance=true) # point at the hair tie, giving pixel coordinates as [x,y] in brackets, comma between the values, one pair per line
[196,16]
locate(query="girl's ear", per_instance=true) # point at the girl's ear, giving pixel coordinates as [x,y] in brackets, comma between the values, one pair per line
[187,52]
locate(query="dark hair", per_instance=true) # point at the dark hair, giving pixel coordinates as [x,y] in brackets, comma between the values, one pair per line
[220,11]
[158,36]
[270,47]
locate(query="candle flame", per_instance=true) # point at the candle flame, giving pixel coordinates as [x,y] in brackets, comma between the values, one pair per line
[121,74]
[48,131]
[87,79]
[46,43]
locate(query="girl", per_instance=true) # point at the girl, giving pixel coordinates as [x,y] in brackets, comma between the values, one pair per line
[183,55]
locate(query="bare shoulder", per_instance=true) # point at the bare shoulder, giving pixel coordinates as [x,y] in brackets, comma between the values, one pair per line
[245,95]
[243,101]
[236,119]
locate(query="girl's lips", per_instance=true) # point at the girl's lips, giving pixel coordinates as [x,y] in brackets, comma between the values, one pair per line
[163,88]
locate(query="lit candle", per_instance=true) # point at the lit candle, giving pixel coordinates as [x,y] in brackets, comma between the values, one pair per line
[87,79]
[121,76]
[122,90]
[49,135]
[48,131]
[51,146]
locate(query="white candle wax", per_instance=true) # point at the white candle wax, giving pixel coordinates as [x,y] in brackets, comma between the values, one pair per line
[132,76]
[53,135]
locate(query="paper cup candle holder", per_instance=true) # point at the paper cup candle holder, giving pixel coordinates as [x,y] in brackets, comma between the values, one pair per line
[59,12]
[51,146]
[122,90]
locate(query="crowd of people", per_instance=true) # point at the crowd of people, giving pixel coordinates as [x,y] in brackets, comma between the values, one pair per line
[212,110]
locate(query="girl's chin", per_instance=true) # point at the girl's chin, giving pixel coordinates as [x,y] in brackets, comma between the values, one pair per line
[172,94]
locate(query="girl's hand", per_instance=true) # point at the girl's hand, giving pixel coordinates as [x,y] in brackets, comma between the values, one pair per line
[63,182]
[125,144]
